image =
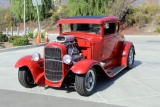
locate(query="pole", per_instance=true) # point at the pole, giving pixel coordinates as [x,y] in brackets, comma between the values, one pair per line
[11,31]
[38,16]
[7,31]
[24,17]
[39,28]
[17,31]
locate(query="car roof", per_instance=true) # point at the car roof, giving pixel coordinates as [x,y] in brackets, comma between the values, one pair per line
[85,17]
[88,19]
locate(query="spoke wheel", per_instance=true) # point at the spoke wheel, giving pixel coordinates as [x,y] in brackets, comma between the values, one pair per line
[85,84]
[25,78]
[130,59]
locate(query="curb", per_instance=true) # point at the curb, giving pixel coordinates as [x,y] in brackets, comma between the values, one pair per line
[21,47]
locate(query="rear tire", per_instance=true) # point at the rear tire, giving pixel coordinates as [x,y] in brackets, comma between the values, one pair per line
[130,59]
[85,84]
[25,78]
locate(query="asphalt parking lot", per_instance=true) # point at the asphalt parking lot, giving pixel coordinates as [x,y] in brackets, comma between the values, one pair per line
[138,87]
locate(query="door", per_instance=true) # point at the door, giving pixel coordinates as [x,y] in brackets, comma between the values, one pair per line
[119,41]
[109,42]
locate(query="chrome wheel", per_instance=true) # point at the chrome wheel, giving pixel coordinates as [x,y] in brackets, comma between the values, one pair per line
[90,80]
[131,55]
[85,84]
[130,59]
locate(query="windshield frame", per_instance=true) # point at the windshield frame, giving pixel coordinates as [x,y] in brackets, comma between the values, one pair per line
[94,29]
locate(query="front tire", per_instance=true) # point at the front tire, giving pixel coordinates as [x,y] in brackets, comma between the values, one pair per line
[85,84]
[25,78]
[130,60]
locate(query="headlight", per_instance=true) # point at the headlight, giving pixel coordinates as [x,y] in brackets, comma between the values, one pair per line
[67,59]
[36,56]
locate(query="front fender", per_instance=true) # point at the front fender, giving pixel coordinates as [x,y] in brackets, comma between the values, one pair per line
[126,47]
[36,68]
[24,61]
[83,66]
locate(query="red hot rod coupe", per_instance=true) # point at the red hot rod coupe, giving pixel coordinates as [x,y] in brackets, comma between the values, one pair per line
[87,46]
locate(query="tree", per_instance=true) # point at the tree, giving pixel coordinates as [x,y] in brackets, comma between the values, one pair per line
[18,8]
[87,7]
[120,8]
[59,11]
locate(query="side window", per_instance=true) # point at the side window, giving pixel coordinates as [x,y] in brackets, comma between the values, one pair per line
[109,28]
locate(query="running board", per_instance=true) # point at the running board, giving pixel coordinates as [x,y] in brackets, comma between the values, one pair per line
[116,70]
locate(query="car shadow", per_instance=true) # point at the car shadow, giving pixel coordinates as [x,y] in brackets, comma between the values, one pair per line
[103,82]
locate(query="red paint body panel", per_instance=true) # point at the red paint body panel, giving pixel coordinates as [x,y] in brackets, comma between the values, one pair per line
[126,47]
[83,66]
[53,84]
[88,20]
[36,68]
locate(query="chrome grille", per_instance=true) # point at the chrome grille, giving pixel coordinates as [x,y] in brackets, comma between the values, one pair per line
[53,64]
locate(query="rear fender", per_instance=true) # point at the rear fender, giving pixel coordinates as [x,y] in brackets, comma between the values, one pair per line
[36,68]
[83,66]
[126,47]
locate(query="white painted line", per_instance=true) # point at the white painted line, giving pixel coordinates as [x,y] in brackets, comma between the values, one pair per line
[144,85]
[103,100]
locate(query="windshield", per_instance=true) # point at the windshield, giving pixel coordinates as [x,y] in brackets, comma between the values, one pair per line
[87,28]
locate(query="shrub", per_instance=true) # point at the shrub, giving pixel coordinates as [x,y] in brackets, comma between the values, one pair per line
[141,19]
[157,19]
[29,35]
[152,9]
[3,38]
[22,41]
[12,38]
[143,14]
[158,29]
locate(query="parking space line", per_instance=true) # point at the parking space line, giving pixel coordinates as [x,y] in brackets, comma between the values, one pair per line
[102,98]
[143,85]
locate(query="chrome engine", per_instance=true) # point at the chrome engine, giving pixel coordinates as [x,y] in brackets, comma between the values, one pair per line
[71,46]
